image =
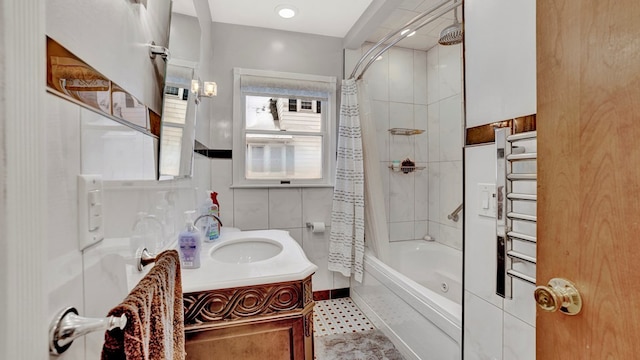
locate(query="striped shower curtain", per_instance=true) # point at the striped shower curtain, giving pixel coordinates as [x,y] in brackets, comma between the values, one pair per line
[346,242]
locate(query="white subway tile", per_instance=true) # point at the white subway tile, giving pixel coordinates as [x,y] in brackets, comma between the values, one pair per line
[401,231]
[433,75]
[316,247]
[421,143]
[433,132]
[285,208]
[401,197]
[378,78]
[251,209]
[401,75]
[434,191]
[450,190]
[519,339]
[450,122]
[419,77]
[317,204]
[450,74]
[380,114]
[421,194]
[482,329]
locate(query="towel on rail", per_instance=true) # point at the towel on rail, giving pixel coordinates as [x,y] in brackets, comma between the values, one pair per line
[155,316]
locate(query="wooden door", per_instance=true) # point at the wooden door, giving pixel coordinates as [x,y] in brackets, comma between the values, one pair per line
[588,64]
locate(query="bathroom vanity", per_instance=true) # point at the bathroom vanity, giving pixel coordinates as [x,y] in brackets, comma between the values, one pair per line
[251,299]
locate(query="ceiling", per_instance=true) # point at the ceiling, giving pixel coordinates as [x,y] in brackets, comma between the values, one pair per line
[329,17]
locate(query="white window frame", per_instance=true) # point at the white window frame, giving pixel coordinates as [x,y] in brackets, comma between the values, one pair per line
[328,127]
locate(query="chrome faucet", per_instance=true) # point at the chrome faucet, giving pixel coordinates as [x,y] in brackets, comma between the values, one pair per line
[195,222]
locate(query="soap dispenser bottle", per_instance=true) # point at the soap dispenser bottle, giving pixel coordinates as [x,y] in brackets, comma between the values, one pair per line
[215,210]
[189,243]
[209,227]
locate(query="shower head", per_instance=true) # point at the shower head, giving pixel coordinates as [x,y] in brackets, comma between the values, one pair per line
[452,34]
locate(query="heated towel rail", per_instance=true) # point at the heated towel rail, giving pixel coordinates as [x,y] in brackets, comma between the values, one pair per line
[515,230]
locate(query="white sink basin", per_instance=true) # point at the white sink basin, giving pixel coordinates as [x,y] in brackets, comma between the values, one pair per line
[246,250]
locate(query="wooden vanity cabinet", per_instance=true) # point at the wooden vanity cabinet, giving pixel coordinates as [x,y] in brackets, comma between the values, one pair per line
[272,321]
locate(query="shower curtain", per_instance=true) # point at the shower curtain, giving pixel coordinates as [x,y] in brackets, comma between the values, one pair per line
[357,203]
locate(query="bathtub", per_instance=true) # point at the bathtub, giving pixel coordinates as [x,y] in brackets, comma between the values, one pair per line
[416,301]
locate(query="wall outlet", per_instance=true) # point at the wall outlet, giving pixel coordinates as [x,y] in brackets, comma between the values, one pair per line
[90,219]
[487,200]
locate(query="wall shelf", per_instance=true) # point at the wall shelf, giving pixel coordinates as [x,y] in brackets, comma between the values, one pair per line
[405,131]
[407,169]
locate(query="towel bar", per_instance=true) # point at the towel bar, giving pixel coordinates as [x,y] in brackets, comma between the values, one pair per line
[68,326]
[144,258]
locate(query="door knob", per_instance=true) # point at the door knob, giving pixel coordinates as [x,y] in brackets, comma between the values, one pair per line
[559,294]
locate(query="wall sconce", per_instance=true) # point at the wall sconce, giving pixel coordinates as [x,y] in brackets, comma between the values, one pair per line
[209,89]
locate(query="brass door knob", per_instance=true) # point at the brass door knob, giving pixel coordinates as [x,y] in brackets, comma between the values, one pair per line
[559,294]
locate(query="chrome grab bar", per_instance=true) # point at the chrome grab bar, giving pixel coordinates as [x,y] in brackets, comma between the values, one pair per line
[454,215]
[68,326]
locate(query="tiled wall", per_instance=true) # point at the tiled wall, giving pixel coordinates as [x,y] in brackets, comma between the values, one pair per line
[277,208]
[512,320]
[500,84]
[421,90]
[445,139]
[73,277]
[66,275]
[284,209]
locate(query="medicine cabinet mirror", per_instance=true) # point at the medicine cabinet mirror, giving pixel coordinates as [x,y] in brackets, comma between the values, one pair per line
[177,132]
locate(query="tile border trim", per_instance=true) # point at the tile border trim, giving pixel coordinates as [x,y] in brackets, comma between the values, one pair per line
[484,134]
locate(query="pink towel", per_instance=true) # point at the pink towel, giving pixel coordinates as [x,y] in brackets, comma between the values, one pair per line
[155,316]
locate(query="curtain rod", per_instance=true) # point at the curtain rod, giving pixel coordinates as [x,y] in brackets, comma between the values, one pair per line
[403,36]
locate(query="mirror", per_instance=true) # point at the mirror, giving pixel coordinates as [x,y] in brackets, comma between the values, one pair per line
[177,130]
[122,138]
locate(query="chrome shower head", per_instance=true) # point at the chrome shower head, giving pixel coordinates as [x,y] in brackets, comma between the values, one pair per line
[452,34]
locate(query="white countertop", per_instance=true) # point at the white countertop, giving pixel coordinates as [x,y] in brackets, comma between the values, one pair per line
[289,265]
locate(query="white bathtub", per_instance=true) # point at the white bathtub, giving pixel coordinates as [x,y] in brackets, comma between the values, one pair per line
[412,308]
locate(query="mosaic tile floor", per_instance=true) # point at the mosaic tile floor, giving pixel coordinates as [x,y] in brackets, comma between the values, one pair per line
[339,316]
[343,332]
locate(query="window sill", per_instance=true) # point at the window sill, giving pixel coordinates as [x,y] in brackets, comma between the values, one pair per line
[284,186]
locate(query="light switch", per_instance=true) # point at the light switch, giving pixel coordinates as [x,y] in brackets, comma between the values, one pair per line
[90,220]
[487,200]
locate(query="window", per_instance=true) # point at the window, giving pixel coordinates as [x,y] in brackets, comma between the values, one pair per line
[284,126]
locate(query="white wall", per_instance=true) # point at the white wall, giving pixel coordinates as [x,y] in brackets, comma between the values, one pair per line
[500,59]
[500,84]
[421,90]
[23,334]
[287,209]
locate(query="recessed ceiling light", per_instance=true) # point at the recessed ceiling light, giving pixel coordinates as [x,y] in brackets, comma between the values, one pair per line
[404,31]
[410,35]
[286,11]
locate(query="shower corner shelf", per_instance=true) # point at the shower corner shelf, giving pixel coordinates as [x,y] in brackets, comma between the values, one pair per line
[404,131]
[406,169]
